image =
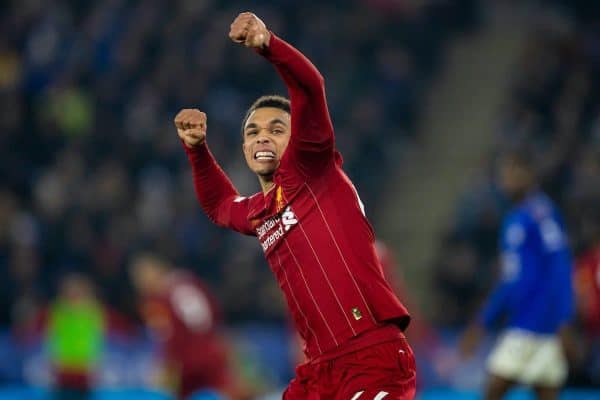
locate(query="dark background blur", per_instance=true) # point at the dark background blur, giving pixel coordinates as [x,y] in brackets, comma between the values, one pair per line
[91,170]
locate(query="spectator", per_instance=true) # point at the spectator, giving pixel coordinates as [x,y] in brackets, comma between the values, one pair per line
[587,290]
[183,316]
[534,292]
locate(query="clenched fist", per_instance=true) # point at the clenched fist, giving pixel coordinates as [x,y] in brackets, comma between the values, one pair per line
[191,126]
[249,30]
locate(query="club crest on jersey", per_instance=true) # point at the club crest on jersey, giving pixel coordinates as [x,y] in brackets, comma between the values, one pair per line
[273,229]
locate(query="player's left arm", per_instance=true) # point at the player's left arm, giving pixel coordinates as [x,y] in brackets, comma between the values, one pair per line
[559,260]
[312,131]
[566,309]
[495,305]
[566,294]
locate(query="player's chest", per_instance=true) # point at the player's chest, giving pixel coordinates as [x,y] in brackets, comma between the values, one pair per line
[285,218]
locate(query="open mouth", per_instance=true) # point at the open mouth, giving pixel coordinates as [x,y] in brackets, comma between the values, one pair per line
[264,155]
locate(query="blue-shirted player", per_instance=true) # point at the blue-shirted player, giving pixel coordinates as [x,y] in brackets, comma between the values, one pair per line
[534,295]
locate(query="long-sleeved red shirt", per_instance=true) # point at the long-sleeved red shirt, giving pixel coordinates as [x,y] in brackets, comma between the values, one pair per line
[311,226]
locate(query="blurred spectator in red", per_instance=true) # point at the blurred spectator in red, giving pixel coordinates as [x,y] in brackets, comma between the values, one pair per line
[587,295]
[587,286]
[184,317]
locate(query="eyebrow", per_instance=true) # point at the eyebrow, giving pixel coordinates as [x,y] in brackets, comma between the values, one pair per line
[275,121]
[250,126]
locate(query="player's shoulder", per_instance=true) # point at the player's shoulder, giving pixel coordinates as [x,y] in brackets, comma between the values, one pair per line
[526,214]
[534,207]
[518,215]
[538,207]
[256,197]
[548,223]
[251,201]
[534,213]
[182,284]
[244,199]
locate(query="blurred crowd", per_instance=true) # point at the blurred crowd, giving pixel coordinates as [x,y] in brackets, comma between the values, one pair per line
[90,167]
[554,108]
[91,171]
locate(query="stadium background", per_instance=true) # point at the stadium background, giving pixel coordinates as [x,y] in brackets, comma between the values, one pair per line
[422,95]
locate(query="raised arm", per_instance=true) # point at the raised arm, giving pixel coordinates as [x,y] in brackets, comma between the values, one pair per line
[311,124]
[312,130]
[216,194]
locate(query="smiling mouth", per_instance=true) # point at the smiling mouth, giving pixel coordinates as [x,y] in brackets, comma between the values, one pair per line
[264,155]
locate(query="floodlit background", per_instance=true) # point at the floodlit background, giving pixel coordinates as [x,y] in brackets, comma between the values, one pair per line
[423,94]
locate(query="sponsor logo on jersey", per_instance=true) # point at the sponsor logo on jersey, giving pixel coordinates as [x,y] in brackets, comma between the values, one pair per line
[274,228]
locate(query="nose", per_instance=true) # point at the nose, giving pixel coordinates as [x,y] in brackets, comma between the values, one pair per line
[262,138]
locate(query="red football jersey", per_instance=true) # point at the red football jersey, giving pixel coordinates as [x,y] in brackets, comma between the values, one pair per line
[311,226]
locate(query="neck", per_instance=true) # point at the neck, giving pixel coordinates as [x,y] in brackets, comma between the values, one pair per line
[266,183]
[161,285]
[525,193]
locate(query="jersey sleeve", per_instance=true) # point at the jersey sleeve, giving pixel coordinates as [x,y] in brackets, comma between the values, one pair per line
[312,138]
[566,303]
[559,261]
[216,194]
[495,306]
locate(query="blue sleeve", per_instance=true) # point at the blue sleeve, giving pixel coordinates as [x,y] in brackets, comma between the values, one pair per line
[512,236]
[559,260]
[563,263]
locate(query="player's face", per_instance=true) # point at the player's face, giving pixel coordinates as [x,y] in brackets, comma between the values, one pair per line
[75,289]
[266,136]
[145,277]
[514,179]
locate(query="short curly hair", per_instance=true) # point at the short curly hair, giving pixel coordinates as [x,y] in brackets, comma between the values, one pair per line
[271,100]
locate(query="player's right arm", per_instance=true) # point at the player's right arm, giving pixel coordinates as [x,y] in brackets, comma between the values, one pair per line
[495,306]
[559,262]
[216,194]
[312,140]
